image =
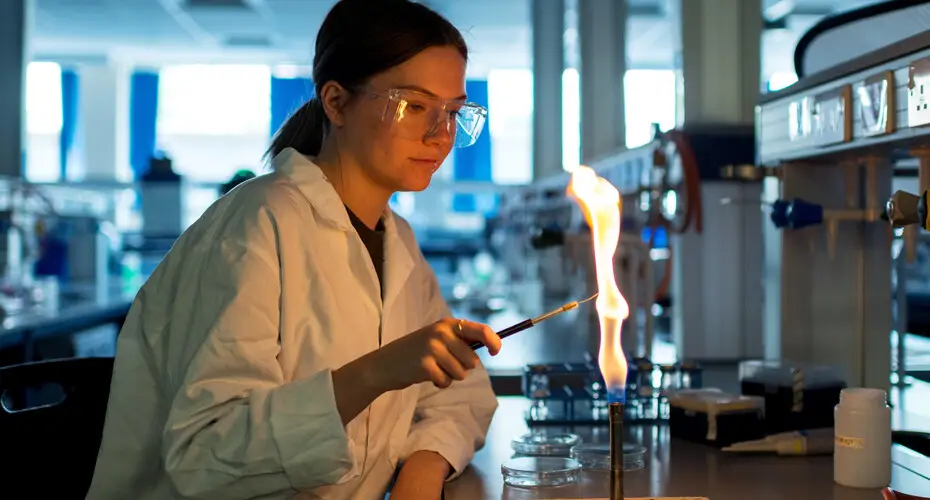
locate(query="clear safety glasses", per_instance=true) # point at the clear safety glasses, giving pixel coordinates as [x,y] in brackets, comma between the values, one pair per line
[415,115]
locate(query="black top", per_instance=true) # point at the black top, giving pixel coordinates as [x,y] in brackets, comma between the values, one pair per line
[373,239]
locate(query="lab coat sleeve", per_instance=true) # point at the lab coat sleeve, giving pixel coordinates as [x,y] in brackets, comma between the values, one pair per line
[236,429]
[452,422]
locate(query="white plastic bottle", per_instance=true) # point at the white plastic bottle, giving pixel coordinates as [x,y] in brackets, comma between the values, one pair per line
[862,439]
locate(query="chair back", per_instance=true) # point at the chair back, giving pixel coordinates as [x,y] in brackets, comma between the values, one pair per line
[51,423]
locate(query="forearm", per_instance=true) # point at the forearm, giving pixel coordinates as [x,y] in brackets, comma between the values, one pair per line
[421,476]
[356,385]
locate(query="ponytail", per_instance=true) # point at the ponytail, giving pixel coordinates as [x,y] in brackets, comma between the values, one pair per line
[303,130]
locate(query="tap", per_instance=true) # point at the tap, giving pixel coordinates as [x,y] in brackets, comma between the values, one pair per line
[906,209]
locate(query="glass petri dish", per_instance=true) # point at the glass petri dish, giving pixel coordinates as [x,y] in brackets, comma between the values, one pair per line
[597,456]
[535,472]
[545,444]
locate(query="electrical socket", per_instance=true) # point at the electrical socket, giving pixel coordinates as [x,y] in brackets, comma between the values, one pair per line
[918,93]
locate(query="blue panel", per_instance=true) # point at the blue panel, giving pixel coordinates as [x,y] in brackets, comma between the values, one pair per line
[143,117]
[661,240]
[69,117]
[287,94]
[474,163]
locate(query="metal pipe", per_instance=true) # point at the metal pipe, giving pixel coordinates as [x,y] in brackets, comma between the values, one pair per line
[901,318]
[616,451]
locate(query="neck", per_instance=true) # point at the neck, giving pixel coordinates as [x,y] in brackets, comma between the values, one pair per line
[365,198]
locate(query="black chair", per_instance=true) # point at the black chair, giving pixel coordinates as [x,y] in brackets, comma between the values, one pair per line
[50,447]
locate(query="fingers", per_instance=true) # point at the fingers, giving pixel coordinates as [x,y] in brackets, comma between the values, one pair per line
[437,375]
[463,353]
[471,331]
[449,363]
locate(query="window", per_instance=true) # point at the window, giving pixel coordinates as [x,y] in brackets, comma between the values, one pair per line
[510,122]
[217,100]
[43,121]
[649,97]
[571,119]
[214,119]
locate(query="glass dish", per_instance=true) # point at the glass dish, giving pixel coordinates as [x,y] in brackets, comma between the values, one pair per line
[535,472]
[545,444]
[597,456]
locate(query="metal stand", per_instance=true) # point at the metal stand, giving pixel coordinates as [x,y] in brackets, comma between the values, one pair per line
[616,451]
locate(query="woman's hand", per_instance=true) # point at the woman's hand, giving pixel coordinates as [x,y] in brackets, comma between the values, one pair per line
[421,477]
[438,353]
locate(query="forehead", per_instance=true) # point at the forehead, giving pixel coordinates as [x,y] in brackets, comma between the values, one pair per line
[438,70]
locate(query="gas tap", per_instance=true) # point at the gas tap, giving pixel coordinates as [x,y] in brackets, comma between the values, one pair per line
[905,209]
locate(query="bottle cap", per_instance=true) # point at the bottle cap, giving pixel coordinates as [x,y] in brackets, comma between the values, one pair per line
[863,397]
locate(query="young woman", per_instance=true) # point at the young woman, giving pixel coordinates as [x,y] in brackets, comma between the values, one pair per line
[294,343]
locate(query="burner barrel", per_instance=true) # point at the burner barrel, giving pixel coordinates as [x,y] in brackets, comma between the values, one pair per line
[616,451]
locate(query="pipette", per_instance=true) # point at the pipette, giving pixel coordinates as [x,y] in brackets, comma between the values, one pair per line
[810,442]
[531,322]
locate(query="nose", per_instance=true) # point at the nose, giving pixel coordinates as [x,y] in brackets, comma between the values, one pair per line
[442,133]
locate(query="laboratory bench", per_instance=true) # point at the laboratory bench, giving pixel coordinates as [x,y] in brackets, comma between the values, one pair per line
[75,309]
[675,467]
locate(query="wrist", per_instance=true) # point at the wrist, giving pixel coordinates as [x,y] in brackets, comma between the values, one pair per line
[373,374]
[362,374]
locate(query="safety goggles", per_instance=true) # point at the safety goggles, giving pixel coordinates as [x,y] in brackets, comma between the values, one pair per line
[415,115]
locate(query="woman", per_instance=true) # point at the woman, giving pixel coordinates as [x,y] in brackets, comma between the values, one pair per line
[270,355]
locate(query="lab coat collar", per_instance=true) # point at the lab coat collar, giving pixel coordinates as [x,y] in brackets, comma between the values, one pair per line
[399,251]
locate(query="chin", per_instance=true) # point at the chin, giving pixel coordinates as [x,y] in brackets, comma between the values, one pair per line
[415,185]
[415,181]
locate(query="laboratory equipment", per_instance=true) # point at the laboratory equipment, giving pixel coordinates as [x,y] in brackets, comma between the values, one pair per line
[163,201]
[575,394]
[862,452]
[616,450]
[797,395]
[835,140]
[715,418]
[813,442]
[665,188]
[533,472]
[545,444]
[596,456]
[531,322]
[545,246]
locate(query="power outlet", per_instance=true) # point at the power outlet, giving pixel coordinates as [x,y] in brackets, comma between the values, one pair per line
[918,93]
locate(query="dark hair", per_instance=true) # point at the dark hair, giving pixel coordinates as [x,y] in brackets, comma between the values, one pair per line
[358,40]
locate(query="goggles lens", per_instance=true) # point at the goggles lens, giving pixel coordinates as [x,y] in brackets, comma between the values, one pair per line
[415,115]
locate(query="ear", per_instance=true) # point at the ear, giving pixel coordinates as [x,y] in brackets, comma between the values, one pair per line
[334,98]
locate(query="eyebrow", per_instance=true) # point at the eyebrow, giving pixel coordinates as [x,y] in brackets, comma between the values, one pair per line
[427,92]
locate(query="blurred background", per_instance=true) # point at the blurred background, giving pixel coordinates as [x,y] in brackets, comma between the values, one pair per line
[117,90]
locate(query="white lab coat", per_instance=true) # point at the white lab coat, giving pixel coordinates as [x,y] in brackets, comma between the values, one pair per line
[222,387]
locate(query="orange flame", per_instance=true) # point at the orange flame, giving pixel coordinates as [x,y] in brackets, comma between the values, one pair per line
[600,202]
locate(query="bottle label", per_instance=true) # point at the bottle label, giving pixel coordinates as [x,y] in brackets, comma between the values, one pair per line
[850,442]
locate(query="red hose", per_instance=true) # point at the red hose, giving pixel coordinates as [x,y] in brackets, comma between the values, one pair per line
[692,187]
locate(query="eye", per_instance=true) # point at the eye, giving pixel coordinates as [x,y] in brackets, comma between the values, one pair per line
[415,107]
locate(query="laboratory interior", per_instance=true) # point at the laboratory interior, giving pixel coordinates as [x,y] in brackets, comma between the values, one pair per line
[740,187]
